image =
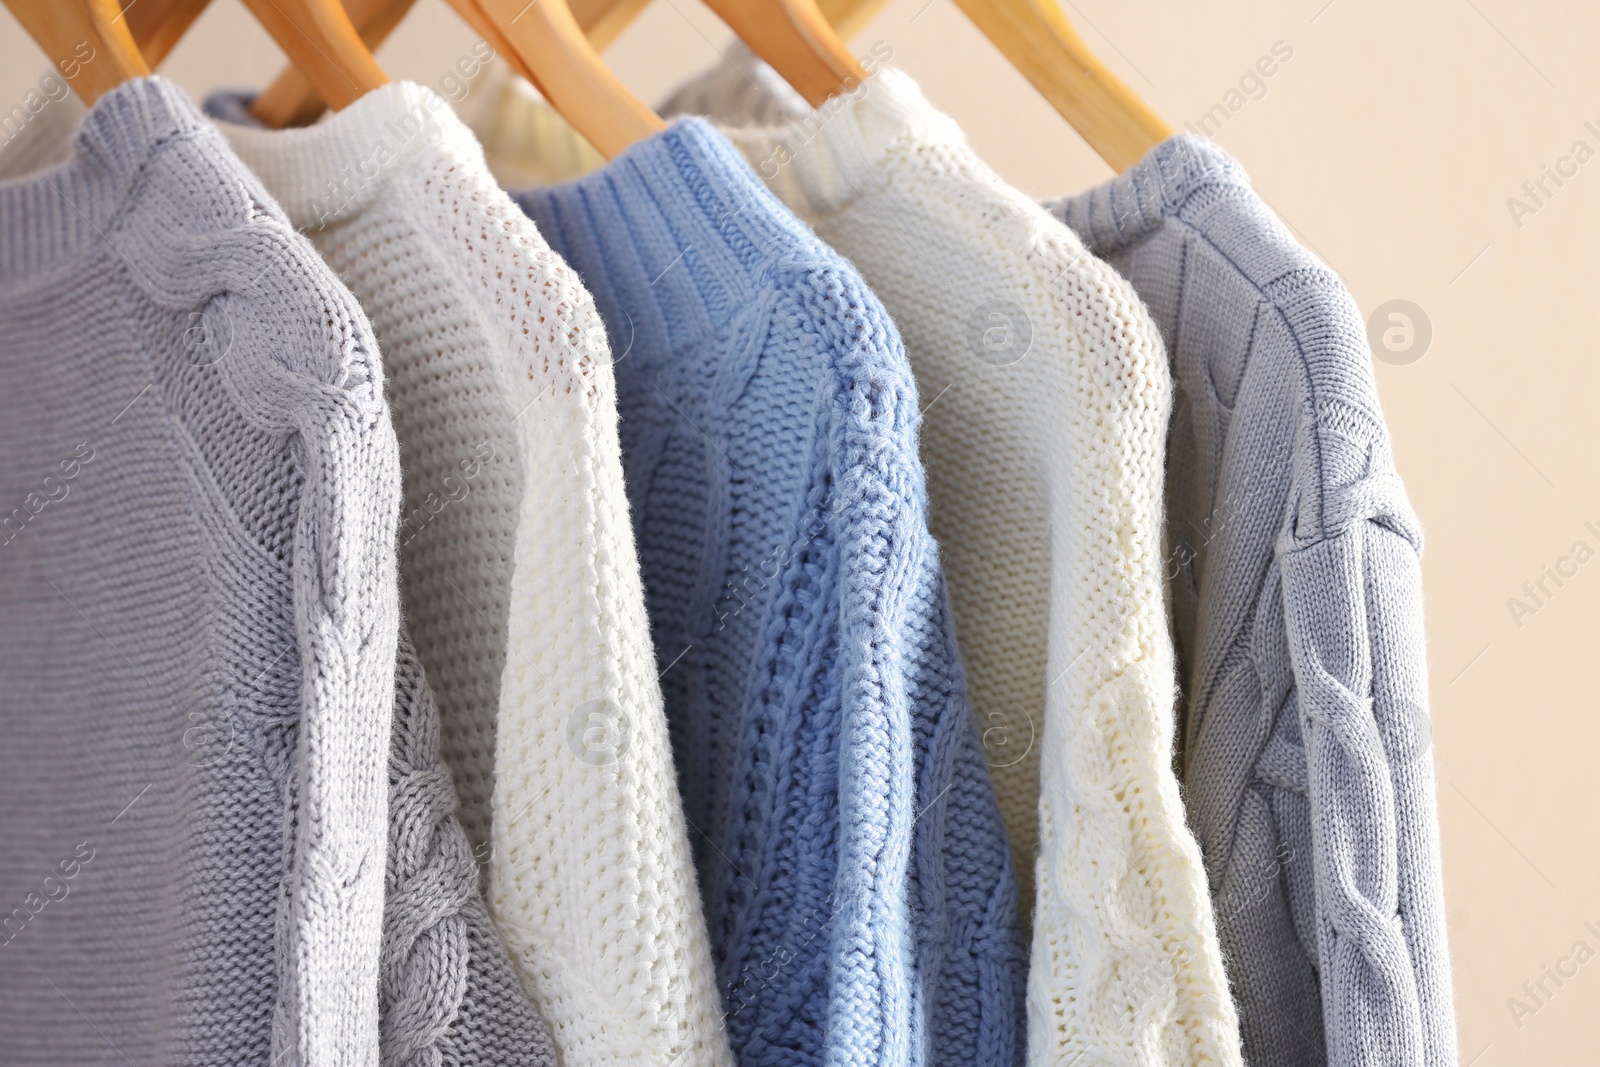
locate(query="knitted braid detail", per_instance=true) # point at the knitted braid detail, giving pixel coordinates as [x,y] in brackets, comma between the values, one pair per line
[431,877]
[1125,955]
[346,610]
[868,512]
[771,426]
[258,372]
[330,401]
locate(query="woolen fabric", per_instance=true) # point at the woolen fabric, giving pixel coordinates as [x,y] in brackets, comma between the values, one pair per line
[855,870]
[1045,452]
[1293,561]
[521,586]
[200,613]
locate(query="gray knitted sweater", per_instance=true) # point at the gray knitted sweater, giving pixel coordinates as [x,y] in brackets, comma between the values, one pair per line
[1292,557]
[179,543]
[198,613]
[450,997]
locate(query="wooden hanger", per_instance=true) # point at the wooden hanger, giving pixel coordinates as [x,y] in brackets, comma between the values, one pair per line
[543,43]
[320,41]
[158,25]
[791,36]
[558,58]
[291,99]
[1039,41]
[85,37]
[850,17]
[316,35]
[604,20]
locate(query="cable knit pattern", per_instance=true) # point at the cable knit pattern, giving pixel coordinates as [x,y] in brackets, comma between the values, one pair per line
[450,995]
[431,879]
[856,876]
[453,400]
[516,551]
[201,612]
[1297,601]
[1049,397]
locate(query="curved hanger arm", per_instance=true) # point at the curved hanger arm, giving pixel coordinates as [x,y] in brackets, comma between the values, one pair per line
[569,72]
[794,37]
[88,37]
[158,25]
[291,100]
[320,40]
[604,20]
[1039,41]
[850,17]
[541,41]
[317,36]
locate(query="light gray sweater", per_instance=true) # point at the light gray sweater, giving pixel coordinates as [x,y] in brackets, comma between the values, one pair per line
[189,680]
[1292,556]
[198,613]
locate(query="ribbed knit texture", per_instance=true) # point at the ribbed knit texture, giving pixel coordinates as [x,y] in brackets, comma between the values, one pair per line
[1044,452]
[520,577]
[1297,601]
[855,869]
[200,613]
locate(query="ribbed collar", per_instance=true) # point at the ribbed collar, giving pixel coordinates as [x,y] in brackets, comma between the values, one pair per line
[329,171]
[677,222]
[52,216]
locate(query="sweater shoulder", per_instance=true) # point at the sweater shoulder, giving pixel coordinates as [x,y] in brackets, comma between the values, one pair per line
[1058,287]
[1244,304]
[552,326]
[866,357]
[200,235]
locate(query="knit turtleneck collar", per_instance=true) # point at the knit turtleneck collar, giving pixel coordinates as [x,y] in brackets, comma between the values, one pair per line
[50,216]
[329,171]
[681,222]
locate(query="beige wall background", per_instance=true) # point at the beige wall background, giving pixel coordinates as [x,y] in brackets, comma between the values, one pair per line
[1391,142]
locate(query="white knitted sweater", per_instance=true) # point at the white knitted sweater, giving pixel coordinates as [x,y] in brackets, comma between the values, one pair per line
[1047,392]
[519,576]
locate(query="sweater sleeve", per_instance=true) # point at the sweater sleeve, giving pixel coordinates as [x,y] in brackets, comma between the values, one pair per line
[1353,616]
[447,989]
[940,824]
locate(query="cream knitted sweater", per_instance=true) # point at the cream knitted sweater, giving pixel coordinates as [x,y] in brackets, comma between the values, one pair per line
[1047,393]
[519,575]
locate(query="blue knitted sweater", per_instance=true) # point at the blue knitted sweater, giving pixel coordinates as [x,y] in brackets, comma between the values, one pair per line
[855,871]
